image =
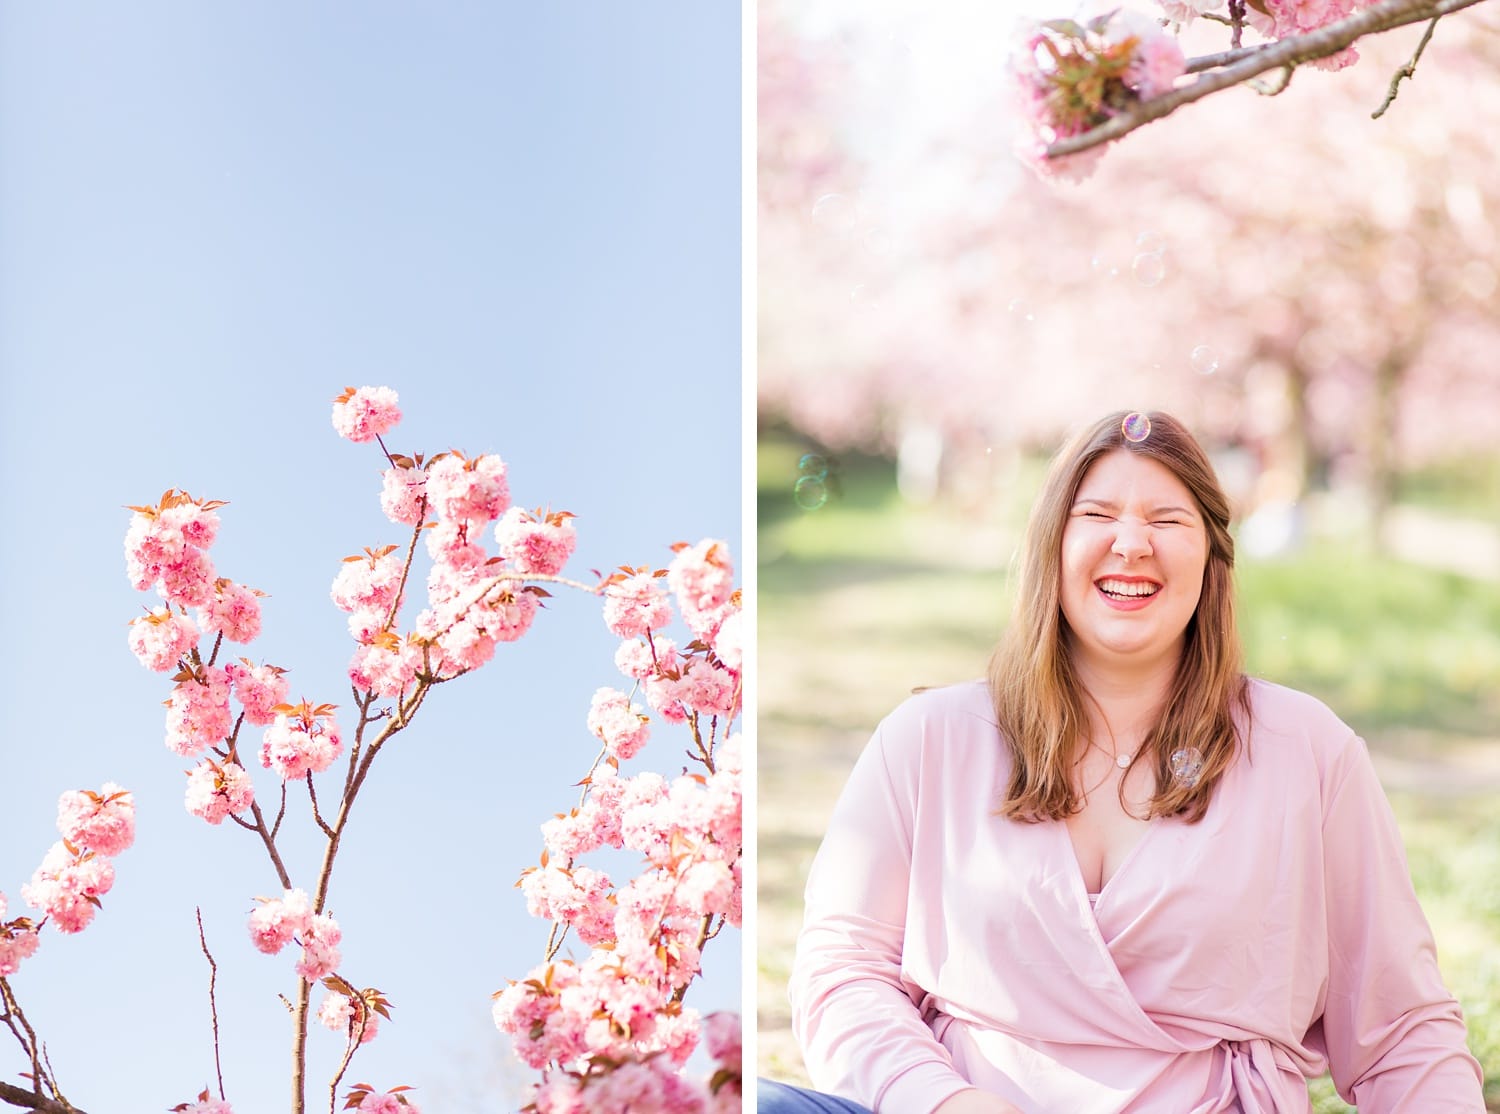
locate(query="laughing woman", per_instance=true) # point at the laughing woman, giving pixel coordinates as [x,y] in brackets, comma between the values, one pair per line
[1119,875]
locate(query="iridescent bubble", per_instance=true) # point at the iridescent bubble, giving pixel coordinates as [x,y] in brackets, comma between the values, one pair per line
[1020,307]
[1205,360]
[813,467]
[1187,766]
[810,493]
[1149,268]
[1136,427]
[836,211]
[1151,243]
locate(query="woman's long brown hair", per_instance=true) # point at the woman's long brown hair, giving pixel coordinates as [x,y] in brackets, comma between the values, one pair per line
[1040,704]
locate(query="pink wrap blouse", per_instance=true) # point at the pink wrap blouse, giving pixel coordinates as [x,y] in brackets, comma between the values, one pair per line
[1224,962]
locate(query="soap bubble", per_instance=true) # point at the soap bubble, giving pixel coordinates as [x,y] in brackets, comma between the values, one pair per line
[1205,360]
[1020,307]
[1187,766]
[1136,427]
[1149,268]
[834,210]
[810,492]
[813,466]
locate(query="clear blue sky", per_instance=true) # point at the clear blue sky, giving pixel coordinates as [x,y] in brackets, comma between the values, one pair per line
[526,219]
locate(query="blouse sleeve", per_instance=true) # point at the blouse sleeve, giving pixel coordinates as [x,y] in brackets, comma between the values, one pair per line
[1395,1037]
[855,1016]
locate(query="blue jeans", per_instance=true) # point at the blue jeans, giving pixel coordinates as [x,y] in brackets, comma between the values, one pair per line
[782,1098]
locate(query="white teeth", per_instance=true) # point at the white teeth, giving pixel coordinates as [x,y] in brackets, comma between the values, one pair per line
[1129,589]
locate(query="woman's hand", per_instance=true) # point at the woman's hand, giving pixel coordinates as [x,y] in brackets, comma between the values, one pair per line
[975,1101]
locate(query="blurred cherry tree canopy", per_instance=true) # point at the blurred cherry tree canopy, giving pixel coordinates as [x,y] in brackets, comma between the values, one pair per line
[1311,286]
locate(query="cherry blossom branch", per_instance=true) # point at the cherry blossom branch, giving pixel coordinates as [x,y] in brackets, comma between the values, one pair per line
[1285,53]
[268,837]
[312,794]
[213,1007]
[1407,71]
[31,1100]
[356,1037]
[34,1099]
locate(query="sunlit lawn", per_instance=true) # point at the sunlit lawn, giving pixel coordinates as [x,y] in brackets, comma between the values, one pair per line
[863,598]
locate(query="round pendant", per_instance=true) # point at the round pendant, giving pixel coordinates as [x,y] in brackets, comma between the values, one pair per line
[1123,761]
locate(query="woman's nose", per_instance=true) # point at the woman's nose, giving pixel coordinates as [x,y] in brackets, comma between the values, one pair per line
[1132,540]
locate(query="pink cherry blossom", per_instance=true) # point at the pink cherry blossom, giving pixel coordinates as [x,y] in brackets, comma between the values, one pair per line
[580,897]
[387,666]
[164,543]
[205,1105]
[189,582]
[276,921]
[620,725]
[636,604]
[728,641]
[67,886]
[535,542]
[390,1103]
[18,941]
[161,638]
[216,790]
[233,611]
[1285,18]
[320,948]
[453,546]
[724,1035]
[702,575]
[472,490]
[341,1013]
[365,413]
[641,657]
[369,582]
[259,688]
[301,742]
[1157,61]
[198,712]
[401,493]
[642,1085]
[104,822]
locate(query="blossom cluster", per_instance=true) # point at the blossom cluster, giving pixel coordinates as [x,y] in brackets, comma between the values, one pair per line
[1072,77]
[476,598]
[1278,19]
[18,941]
[609,1031]
[166,546]
[75,872]
[653,1082]
[279,921]
[367,1100]
[206,1104]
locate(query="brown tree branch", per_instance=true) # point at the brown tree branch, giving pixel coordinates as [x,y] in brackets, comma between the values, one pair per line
[213,1006]
[1407,71]
[1289,52]
[30,1100]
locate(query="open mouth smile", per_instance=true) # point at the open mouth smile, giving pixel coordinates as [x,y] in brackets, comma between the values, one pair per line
[1127,593]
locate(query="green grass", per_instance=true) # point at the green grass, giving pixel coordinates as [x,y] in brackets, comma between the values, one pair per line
[864,597]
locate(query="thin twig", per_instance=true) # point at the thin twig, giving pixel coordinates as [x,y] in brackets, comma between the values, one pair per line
[268,837]
[1407,71]
[356,1035]
[312,794]
[1236,22]
[1383,16]
[213,1006]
